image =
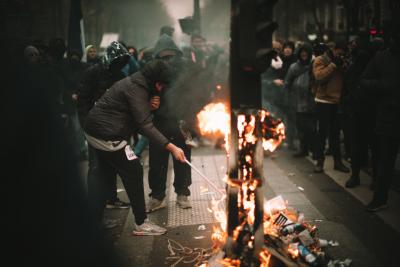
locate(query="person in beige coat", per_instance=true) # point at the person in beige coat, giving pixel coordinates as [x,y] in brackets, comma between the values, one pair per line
[327,83]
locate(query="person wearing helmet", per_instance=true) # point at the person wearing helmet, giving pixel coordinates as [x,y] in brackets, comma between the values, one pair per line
[94,83]
[122,111]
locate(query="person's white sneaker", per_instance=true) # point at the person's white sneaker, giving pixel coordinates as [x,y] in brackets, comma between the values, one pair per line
[183,202]
[148,228]
[156,204]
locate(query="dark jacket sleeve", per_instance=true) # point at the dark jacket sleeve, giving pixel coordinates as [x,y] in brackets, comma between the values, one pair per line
[138,103]
[370,79]
[290,77]
[85,93]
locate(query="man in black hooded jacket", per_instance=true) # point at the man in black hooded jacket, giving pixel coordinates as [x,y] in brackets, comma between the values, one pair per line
[94,83]
[123,110]
[381,80]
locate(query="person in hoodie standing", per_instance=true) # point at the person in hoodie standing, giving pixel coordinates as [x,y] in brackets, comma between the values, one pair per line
[95,82]
[168,124]
[288,58]
[72,74]
[297,83]
[124,109]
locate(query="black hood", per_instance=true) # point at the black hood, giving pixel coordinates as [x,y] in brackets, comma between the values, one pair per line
[165,42]
[157,71]
[306,48]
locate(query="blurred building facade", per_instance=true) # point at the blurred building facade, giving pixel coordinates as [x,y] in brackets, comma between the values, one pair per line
[333,19]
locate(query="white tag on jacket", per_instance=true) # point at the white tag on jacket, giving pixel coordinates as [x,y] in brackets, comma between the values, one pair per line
[130,155]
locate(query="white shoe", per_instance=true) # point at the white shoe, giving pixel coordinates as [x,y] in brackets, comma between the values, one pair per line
[156,204]
[183,202]
[148,228]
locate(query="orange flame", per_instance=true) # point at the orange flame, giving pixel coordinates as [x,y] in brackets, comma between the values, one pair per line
[213,119]
[272,144]
[265,257]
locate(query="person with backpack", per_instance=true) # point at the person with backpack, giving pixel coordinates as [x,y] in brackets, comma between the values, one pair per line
[297,83]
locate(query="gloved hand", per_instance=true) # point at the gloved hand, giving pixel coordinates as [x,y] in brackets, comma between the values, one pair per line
[338,61]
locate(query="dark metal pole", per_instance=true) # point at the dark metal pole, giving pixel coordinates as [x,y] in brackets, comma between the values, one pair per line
[196,17]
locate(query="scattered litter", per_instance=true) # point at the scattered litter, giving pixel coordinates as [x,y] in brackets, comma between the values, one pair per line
[207,193]
[275,204]
[203,189]
[281,219]
[291,174]
[301,218]
[199,237]
[180,254]
[333,243]
[210,210]
[201,227]
[339,263]
[300,188]
[305,238]
[323,243]
[120,190]
[318,220]
[288,231]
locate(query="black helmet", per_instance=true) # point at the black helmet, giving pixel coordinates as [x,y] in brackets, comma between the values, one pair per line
[113,52]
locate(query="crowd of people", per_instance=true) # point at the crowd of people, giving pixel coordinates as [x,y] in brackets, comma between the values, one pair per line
[338,91]
[113,106]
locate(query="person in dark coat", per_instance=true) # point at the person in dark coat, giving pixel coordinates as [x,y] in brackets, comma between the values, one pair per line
[381,79]
[73,72]
[361,111]
[167,122]
[123,110]
[297,83]
[288,58]
[94,83]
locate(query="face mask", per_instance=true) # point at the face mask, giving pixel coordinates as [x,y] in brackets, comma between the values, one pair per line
[276,63]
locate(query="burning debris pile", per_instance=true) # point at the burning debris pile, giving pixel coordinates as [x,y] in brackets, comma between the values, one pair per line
[255,232]
[288,240]
[293,240]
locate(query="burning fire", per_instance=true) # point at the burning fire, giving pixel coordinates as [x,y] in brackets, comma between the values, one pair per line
[215,119]
[273,131]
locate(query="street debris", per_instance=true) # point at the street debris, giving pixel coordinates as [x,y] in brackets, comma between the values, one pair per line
[199,237]
[201,227]
[338,263]
[300,188]
[181,254]
[292,239]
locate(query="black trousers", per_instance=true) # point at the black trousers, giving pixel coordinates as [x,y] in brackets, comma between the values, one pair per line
[327,123]
[306,131]
[111,180]
[158,168]
[363,138]
[131,173]
[388,148]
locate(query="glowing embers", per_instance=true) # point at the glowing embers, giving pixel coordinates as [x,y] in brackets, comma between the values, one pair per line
[273,131]
[214,119]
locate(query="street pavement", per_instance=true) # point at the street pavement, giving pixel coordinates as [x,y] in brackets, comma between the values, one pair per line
[369,240]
